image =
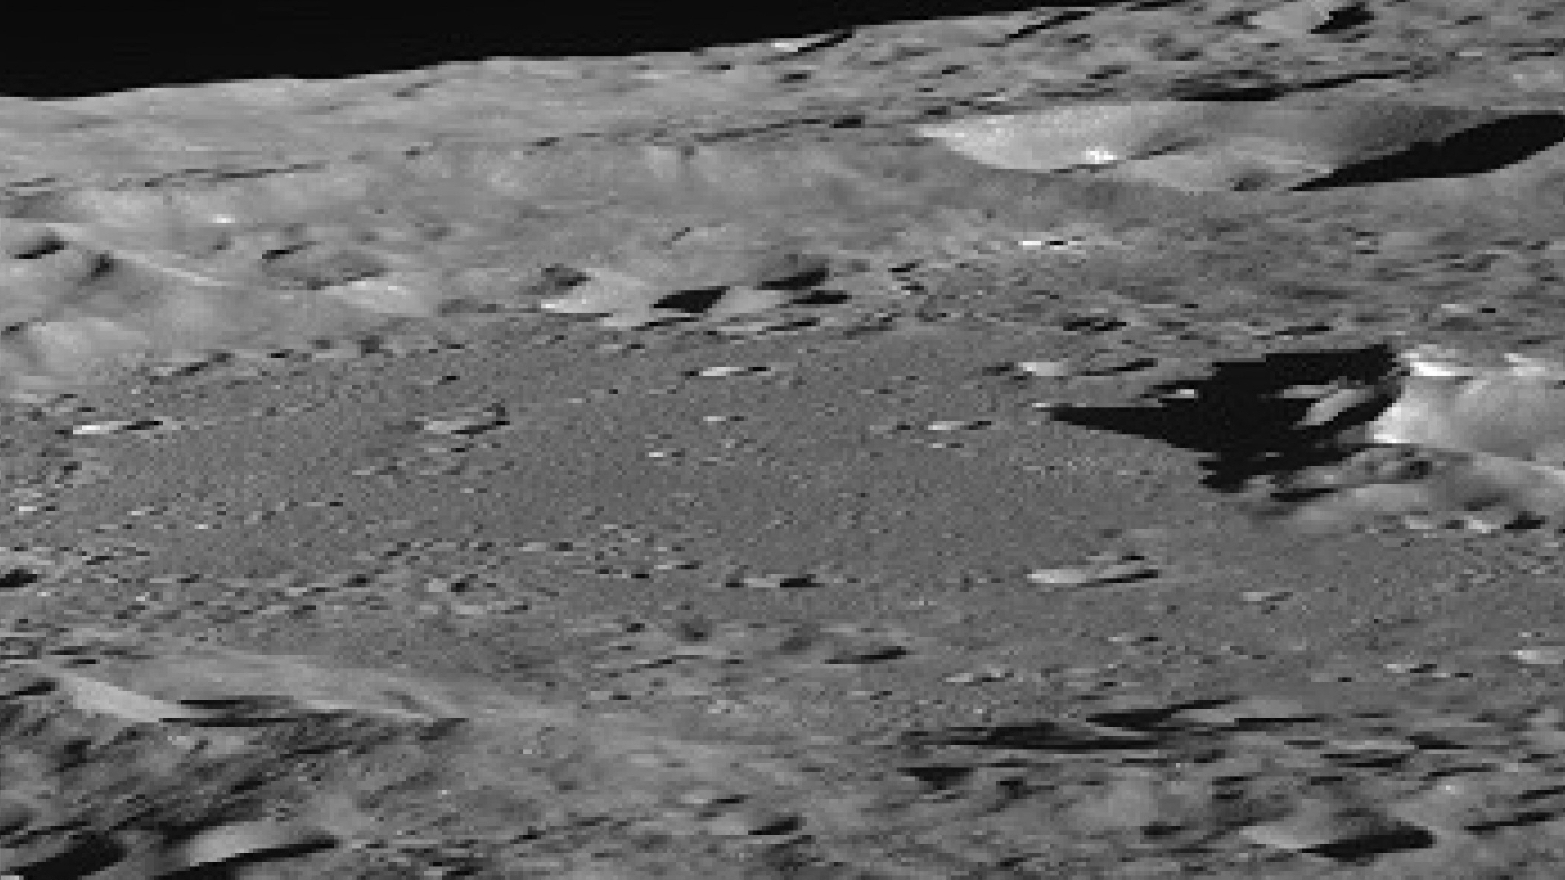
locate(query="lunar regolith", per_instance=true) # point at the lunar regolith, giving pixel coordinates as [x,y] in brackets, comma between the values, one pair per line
[1118,441]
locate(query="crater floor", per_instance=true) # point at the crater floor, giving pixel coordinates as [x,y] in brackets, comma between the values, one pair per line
[949,449]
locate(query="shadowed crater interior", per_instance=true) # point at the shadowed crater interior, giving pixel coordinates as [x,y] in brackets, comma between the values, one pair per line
[1477,150]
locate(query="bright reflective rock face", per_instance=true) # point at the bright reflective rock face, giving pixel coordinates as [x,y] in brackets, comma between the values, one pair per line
[1485,436]
[1206,145]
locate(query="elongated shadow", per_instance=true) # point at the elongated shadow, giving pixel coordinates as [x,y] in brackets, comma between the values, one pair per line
[1143,728]
[1239,417]
[1477,150]
[1048,736]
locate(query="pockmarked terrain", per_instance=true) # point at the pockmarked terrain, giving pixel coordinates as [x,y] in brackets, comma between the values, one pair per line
[1084,442]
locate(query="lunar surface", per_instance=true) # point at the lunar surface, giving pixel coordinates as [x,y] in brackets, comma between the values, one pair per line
[1120,441]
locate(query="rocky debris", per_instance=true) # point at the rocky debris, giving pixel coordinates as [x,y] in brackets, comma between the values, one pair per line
[1339,831]
[96,429]
[725,371]
[100,698]
[1300,18]
[1541,655]
[487,419]
[122,767]
[1111,568]
[248,841]
[1053,369]
[661,291]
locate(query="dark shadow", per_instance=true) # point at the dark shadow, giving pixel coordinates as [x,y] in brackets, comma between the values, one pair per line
[822,298]
[1370,845]
[1430,741]
[1371,762]
[694,300]
[18,577]
[1345,19]
[938,776]
[1519,820]
[1238,417]
[33,689]
[240,866]
[1152,718]
[252,711]
[92,854]
[138,425]
[1540,794]
[874,655]
[1057,20]
[802,277]
[1039,735]
[1093,324]
[1217,88]
[1477,150]
[1166,720]
[700,300]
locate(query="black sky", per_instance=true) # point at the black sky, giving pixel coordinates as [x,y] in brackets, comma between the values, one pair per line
[94,54]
